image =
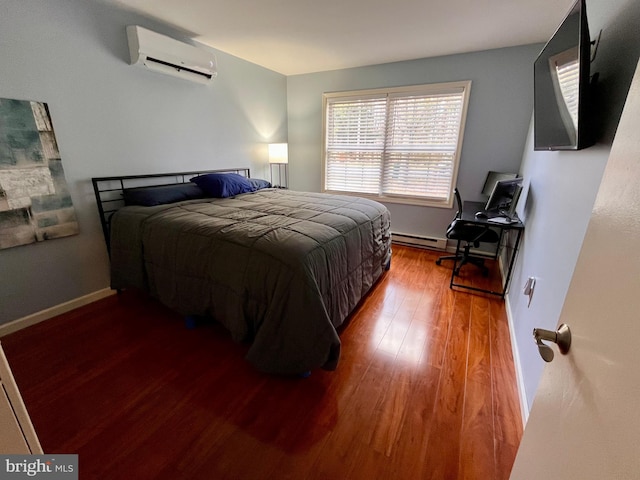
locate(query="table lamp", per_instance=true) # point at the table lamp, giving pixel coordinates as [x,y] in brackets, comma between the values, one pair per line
[278,160]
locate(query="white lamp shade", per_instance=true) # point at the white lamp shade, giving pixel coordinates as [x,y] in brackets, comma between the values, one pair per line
[278,153]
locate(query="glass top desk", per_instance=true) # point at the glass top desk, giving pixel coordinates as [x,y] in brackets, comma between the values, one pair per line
[510,235]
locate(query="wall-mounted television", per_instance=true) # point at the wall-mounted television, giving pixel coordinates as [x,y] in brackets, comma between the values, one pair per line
[562,84]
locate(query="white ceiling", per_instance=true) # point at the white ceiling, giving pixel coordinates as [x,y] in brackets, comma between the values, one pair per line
[304,36]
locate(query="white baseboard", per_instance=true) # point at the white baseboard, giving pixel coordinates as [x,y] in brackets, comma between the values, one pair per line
[522,393]
[24,322]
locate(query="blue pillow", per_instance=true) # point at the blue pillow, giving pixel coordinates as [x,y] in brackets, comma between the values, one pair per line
[150,196]
[259,184]
[223,185]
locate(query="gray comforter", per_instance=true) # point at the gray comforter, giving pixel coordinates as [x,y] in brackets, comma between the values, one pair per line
[278,268]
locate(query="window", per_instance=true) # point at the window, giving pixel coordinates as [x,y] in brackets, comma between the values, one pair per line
[400,145]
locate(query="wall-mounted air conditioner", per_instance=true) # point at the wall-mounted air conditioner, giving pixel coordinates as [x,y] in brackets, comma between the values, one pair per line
[166,55]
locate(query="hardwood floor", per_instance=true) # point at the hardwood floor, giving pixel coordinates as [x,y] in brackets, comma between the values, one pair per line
[425,389]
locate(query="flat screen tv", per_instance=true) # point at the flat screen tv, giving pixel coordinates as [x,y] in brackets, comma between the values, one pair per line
[562,84]
[504,197]
[493,178]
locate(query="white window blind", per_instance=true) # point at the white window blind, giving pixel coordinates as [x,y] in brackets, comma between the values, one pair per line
[565,76]
[569,79]
[396,143]
[355,144]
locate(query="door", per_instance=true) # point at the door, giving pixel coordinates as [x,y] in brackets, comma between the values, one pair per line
[585,419]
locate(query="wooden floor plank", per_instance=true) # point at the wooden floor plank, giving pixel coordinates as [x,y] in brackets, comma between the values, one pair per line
[425,388]
[441,460]
[477,459]
[506,405]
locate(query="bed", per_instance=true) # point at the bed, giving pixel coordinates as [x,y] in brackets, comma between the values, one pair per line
[279,269]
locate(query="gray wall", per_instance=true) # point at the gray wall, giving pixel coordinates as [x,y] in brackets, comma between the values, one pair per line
[111,118]
[498,117]
[560,188]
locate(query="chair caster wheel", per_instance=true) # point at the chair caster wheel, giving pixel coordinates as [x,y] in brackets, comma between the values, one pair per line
[438,262]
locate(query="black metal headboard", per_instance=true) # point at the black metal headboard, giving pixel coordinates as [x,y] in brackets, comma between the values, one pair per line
[109,191]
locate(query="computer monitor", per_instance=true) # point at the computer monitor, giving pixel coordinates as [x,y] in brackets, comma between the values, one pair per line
[493,178]
[504,197]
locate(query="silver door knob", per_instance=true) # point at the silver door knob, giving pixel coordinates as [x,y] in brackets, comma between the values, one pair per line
[561,337]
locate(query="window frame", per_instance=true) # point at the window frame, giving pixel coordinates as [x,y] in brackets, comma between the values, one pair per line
[444,88]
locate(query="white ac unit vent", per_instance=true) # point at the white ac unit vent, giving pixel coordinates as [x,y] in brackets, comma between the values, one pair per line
[166,55]
[419,241]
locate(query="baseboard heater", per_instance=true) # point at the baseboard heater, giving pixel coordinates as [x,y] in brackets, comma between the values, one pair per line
[419,241]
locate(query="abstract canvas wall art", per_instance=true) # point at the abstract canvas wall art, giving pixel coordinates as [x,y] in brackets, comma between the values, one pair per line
[35,204]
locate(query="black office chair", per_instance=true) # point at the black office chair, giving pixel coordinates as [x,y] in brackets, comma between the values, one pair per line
[470,233]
